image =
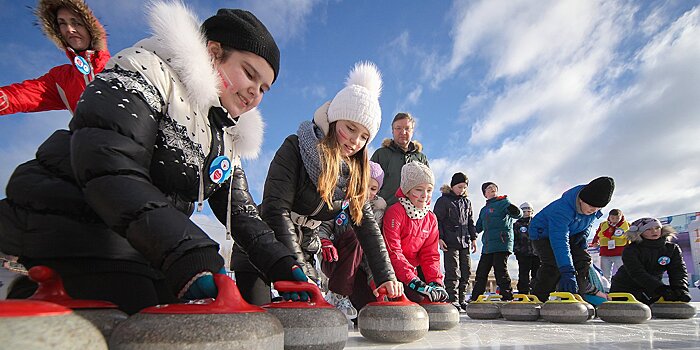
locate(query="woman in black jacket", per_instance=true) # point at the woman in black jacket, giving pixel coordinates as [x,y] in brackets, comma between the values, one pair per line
[321,174]
[645,260]
[107,204]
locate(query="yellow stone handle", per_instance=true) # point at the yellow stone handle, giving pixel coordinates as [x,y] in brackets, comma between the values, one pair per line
[629,298]
[564,296]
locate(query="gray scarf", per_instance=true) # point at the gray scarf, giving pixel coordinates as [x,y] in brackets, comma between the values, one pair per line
[309,137]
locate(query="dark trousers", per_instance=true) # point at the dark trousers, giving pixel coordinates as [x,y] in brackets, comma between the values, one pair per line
[499,262]
[458,266]
[547,276]
[527,266]
[342,273]
[130,292]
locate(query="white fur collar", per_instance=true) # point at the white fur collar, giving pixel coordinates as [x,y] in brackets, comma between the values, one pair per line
[177,30]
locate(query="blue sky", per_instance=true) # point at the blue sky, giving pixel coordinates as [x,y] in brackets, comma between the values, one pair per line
[537,96]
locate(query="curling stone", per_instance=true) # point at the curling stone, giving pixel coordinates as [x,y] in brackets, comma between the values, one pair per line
[522,308]
[628,310]
[441,316]
[228,322]
[33,324]
[310,325]
[483,309]
[399,321]
[103,314]
[564,308]
[672,309]
[589,306]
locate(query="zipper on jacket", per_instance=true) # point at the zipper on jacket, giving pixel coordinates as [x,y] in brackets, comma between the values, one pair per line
[318,209]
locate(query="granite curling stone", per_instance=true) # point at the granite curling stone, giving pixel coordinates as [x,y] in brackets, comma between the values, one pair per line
[483,309]
[399,321]
[626,310]
[672,309]
[564,308]
[522,308]
[441,316]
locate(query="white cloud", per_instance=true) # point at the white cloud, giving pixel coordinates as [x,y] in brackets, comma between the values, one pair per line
[314,92]
[583,108]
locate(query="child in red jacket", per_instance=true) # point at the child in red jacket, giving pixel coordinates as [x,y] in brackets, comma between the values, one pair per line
[411,235]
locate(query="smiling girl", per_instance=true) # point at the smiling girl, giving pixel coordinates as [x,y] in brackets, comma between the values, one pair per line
[107,203]
[322,173]
[411,234]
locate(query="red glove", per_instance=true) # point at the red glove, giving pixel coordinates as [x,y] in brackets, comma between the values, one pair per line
[328,251]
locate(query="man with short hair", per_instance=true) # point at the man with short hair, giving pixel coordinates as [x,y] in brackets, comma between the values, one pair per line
[395,153]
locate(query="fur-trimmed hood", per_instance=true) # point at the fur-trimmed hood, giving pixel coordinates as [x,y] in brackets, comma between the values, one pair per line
[668,233]
[178,40]
[417,146]
[46,12]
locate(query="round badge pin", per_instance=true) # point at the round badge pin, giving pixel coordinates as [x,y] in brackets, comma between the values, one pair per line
[82,65]
[618,232]
[220,169]
[664,260]
[523,229]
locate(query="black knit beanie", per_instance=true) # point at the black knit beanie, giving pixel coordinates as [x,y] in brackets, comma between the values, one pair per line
[241,30]
[487,184]
[458,178]
[598,192]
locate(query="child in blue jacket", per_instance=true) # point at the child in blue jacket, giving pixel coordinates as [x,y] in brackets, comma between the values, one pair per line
[496,221]
[559,234]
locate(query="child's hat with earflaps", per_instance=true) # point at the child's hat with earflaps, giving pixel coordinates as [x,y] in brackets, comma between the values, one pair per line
[358,101]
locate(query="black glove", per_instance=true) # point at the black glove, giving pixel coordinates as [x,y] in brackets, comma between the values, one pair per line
[666,292]
[513,210]
[679,294]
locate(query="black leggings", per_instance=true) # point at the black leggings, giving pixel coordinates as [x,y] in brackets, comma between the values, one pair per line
[253,288]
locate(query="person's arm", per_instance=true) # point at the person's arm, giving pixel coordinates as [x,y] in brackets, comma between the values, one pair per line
[33,95]
[249,232]
[278,196]
[440,210]
[677,272]
[470,222]
[479,224]
[596,237]
[393,225]
[558,224]
[374,247]
[111,149]
[429,257]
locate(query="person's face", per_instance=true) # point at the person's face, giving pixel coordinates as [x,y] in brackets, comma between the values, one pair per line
[372,189]
[652,233]
[245,78]
[491,191]
[527,212]
[73,29]
[351,136]
[587,209]
[403,132]
[420,195]
[460,188]
[613,219]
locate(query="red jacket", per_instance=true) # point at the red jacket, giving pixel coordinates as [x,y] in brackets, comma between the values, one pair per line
[412,243]
[62,86]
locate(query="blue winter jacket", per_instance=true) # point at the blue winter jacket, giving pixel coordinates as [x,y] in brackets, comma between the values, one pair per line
[497,224]
[559,220]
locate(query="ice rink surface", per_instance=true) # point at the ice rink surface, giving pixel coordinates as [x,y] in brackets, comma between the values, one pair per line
[542,335]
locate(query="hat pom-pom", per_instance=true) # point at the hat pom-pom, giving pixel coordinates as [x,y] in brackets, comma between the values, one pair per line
[366,74]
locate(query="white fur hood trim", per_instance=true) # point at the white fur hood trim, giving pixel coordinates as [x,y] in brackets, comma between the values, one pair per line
[176,27]
[248,134]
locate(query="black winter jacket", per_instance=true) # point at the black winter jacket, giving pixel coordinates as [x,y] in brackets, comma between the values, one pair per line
[120,185]
[643,266]
[522,244]
[455,219]
[288,188]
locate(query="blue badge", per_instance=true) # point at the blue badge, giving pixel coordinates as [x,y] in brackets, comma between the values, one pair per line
[82,65]
[220,169]
[523,229]
[342,218]
[664,260]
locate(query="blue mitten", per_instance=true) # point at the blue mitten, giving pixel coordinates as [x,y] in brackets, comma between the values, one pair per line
[203,286]
[567,281]
[297,275]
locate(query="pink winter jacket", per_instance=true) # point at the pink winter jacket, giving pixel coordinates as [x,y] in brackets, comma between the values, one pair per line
[412,243]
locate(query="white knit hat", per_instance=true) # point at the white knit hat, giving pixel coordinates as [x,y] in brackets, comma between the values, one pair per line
[414,174]
[525,205]
[358,101]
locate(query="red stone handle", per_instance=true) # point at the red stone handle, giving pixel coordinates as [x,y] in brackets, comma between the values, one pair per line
[228,301]
[383,293]
[51,289]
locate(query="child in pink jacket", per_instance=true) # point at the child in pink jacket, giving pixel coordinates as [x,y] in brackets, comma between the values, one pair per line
[411,235]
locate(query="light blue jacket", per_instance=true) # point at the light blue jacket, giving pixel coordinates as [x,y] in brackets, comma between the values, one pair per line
[559,220]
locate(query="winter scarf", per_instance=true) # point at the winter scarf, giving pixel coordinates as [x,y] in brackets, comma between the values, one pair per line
[309,137]
[411,210]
